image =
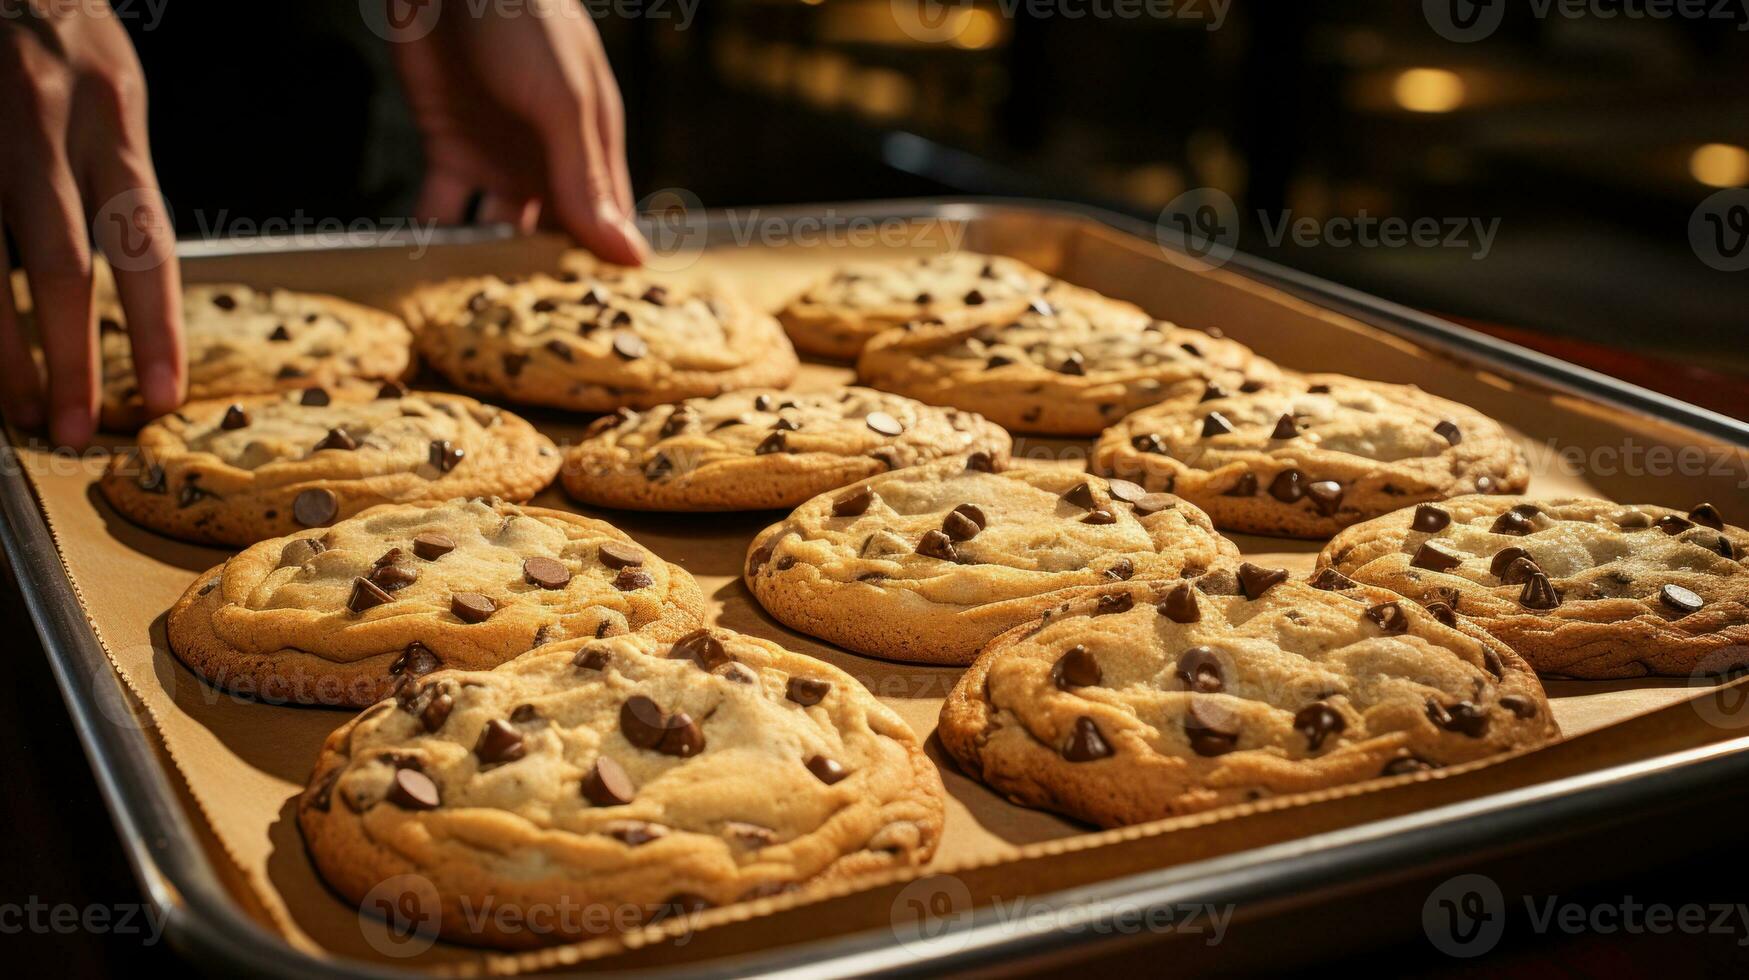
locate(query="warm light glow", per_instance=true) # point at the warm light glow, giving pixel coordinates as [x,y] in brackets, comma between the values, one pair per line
[1428,90]
[976,29]
[813,3]
[1720,165]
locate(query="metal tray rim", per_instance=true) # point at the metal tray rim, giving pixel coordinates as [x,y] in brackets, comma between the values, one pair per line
[175,875]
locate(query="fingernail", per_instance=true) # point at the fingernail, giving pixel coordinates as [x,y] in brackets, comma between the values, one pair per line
[609,216]
[159,390]
[73,427]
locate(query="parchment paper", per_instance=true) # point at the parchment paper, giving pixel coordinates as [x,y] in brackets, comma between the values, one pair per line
[240,764]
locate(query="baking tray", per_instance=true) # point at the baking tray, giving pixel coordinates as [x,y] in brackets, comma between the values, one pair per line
[1671,754]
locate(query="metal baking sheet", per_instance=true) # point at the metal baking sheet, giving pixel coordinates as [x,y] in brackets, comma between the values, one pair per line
[1586,777]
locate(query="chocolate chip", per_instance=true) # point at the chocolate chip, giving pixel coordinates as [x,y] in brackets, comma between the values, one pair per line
[998,360]
[1215,424]
[1288,486]
[413,790]
[235,418]
[807,691]
[1680,599]
[607,784]
[337,439]
[884,423]
[980,462]
[1404,765]
[1519,705]
[1539,593]
[591,658]
[1180,604]
[444,455]
[1208,732]
[1212,392]
[1443,612]
[1326,496]
[1512,522]
[1435,559]
[1150,443]
[1504,559]
[1388,617]
[280,333]
[635,833]
[1113,602]
[656,296]
[1318,721]
[315,507]
[1449,431]
[1245,486]
[499,743]
[436,711]
[1430,519]
[1076,668]
[514,363]
[631,579]
[288,371]
[1099,515]
[629,345]
[152,479]
[366,595]
[1121,570]
[1464,717]
[1072,365]
[1153,503]
[1673,525]
[853,503]
[1519,571]
[642,722]
[471,607]
[432,545]
[658,467]
[314,398]
[1331,580]
[677,422]
[545,572]
[225,301]
[1086,743]
[701,648]
[1081,495]
[393,577]
[1255,580]
[777,442]
[964,522]
[1200,670]
[415,661]
[619,554]
[1707,515]
[1285,428]
[936,544]
[1125,491]
[826,770]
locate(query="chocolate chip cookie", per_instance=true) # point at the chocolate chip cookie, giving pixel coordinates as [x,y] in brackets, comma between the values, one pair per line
[747,450]
[836,317]
[928,564]
[342,615]
[235,472]
[1314,455]
[1579,587]
[1139,702]
[245,341]
[1067,362]
[596,342]
[631,776]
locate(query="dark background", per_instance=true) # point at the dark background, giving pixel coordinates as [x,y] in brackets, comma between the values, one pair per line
[1581,135]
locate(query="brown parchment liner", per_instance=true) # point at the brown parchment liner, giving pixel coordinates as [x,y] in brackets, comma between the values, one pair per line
[238,765]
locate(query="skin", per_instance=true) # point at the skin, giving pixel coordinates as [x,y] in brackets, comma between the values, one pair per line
[518,105]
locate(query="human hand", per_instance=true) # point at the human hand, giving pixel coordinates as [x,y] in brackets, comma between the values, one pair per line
[522,107]
[73,111]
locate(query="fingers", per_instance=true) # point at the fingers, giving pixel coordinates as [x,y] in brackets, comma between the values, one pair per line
[610,125]
[583,191]
[523,214]
[443,197]
[134,233]
[21,386]
[47,222]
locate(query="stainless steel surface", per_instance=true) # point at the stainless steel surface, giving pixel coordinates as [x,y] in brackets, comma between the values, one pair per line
[176,874]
